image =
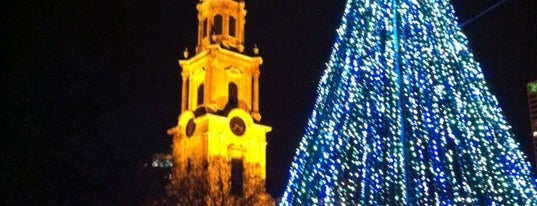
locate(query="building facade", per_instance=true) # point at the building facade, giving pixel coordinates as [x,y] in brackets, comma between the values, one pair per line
[532,102]
[219,144]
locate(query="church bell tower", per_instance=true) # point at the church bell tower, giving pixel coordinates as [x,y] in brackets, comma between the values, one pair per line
[219,144]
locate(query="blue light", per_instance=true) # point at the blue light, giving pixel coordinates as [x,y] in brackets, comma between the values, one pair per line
[403,116]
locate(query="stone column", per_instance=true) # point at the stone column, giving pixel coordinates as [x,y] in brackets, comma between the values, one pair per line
[184,96]
[255,102]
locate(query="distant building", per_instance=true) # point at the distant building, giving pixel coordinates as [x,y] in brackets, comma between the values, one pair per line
[157,175]
[219,143]
[162,161]
[532,102]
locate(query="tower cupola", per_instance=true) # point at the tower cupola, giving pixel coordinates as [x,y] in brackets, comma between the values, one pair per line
[221,22]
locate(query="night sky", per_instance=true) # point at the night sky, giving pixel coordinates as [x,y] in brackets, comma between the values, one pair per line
[89,88]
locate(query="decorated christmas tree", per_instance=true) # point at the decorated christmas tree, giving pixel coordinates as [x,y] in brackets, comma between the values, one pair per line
[404,117]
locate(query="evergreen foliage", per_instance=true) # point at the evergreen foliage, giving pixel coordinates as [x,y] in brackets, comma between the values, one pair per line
[404,117]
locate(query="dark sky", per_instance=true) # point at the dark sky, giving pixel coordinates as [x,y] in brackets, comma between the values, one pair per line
[90,88]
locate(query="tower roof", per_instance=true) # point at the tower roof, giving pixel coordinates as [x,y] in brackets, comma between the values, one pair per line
[221,22]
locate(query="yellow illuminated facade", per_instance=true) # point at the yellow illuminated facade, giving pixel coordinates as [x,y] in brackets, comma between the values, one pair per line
[219,145]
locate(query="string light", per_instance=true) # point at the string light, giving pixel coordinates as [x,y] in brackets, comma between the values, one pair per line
[403,116]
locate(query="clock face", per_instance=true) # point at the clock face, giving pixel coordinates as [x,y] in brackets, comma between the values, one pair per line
[237,126]
[190,128]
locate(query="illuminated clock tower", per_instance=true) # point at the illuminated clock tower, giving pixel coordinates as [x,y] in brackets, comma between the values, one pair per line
[219,144]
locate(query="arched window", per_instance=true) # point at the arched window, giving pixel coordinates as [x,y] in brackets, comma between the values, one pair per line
[189,165]
[232,23]
[204,29]
[237,175]
[217,26]
[233,99]
[200,94]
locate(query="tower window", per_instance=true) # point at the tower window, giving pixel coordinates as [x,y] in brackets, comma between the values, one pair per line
[200,94]
[237,174]
[232,23]
[217,27]
[204,29]
[189,165]
[233,99]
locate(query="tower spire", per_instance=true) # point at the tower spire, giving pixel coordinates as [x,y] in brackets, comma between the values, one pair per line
[221,22]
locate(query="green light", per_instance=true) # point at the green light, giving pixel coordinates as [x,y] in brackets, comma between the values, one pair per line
[532,87]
